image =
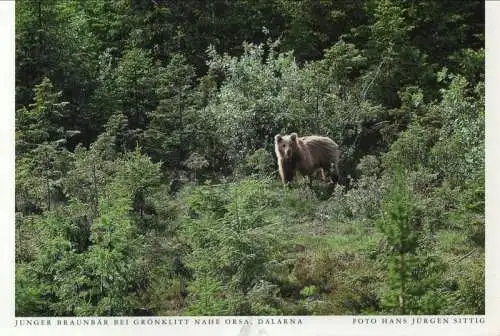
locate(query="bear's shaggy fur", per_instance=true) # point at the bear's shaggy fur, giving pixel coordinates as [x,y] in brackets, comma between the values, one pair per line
[308,155]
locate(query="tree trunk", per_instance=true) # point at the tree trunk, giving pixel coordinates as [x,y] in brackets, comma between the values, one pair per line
[96,195]
[402,287]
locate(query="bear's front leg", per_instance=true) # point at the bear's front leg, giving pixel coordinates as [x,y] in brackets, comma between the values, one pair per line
[282,175]
[288,177]
[287,171]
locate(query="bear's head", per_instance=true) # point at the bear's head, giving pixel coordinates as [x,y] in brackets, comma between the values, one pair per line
[286,145]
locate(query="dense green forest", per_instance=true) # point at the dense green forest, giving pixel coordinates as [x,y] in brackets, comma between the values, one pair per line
[146,178]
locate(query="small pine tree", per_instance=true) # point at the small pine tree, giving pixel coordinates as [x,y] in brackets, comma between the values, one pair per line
[397,224]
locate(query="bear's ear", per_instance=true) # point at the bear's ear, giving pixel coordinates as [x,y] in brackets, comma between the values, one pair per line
[293,136]
[278,138]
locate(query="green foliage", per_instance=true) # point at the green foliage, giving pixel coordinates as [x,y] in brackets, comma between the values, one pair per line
[398,223]
[363,200]
[248,106]
[175,112]
[312,26]
[40,123]
[114,262]
[134,83]
[229,249]
[29,295]
[341,283]
[261,163]
[369,165]
[309,291]
[145,176]
[463,124]
[398,215]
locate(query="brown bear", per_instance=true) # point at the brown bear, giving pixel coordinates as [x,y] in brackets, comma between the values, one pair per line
[308,155]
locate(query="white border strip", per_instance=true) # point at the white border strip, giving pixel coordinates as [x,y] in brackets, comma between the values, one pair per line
[322,325]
